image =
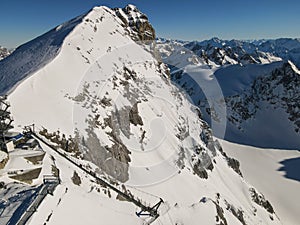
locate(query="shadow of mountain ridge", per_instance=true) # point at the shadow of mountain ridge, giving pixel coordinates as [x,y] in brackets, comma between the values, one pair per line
[291,167]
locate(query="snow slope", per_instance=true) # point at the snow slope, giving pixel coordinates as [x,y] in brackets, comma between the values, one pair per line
[110,94]
[237,99]
[262,167]
[228,52]
[286,48]
[221,52]
[32,56]
[270,100]
[83,204]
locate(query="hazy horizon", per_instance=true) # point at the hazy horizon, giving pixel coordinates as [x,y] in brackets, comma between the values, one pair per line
[195,20]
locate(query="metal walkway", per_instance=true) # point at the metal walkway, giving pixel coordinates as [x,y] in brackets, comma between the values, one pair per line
[145,210]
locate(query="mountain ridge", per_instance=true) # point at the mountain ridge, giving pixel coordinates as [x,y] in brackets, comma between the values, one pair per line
[223,52]
[103,88]
[195,67]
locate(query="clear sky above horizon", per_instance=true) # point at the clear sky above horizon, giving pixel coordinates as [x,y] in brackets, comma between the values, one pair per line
[22,21]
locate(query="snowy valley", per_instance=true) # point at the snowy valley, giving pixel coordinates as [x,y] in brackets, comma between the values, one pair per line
[238,93]
[125,126]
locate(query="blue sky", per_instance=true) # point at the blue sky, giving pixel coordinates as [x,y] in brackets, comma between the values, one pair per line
[188,20]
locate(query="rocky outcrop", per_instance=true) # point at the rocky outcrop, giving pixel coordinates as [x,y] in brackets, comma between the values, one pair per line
[281,89]
[237,213]
[76,178]
[134,116]
[113,160]
[219,52]
[285,48]
[232,162]
[4,52]
[260,200]
[137,22]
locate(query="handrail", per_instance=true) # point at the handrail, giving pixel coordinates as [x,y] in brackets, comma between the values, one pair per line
[152,211]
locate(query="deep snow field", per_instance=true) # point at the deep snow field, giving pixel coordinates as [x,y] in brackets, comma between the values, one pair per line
[263,169]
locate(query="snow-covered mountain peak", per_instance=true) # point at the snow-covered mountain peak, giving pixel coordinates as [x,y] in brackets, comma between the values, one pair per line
[134,14]
[282,43]
[34,55]
[214,42]
[83,29]
[93,84]
[294,67]
[132,9]
[250,89]
[220,52]
[226,52]
[138,21]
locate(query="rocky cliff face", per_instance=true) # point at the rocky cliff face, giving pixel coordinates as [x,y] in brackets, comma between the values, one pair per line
[4,52]
[119,91]
[254,87]
[138,22]
[285,48]
[281,89]
[221,52]
[103,88]
[224,52]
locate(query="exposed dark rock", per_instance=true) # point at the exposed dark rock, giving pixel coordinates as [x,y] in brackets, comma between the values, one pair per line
[69,144]
[220,217]
[112,160]
[260,200]
[138,22]
[134,116]
[4,52]
[143,136]
[105,102]
[76,178]
[238,213]
[281,89]
[233,163]
[247,57]
[129,74]
[2,185]
[181,156]
[199,170]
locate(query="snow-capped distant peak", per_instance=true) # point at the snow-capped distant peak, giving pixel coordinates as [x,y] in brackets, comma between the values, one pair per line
[93,82]
[294,67]
[133,14]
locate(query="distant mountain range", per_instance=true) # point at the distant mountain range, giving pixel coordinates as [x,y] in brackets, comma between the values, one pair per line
[224,52]
[259,91]
[98,82]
